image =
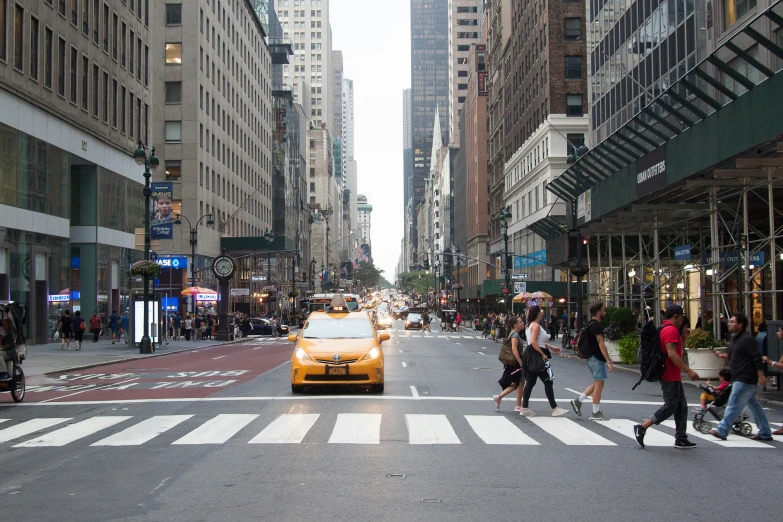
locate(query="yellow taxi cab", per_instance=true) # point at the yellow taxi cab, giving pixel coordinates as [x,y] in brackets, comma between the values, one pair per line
[337,346]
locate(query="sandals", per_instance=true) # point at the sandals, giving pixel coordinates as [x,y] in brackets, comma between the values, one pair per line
[778,432]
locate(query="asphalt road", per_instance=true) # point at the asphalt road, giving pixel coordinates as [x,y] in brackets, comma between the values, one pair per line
[215,434]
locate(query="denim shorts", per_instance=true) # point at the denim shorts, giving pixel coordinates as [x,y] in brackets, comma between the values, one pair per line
[597,368]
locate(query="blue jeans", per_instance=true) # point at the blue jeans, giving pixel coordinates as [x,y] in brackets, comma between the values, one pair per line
[744,395]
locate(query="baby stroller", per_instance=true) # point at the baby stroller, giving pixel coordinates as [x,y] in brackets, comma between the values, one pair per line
[716,410]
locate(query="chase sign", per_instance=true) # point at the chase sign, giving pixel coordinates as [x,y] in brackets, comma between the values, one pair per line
[175,262]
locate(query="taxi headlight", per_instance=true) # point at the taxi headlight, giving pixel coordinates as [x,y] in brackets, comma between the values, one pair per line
[372,354]
[301,354]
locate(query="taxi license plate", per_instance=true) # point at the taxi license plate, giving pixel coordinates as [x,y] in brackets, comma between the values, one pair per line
[340,370]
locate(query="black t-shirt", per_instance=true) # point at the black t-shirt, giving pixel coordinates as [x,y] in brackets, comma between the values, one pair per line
[593,331]
[65,323]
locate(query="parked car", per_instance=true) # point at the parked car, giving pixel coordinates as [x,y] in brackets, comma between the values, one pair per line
[259,326]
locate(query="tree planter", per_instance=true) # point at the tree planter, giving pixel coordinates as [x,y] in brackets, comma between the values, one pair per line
[703,362]
[613,348]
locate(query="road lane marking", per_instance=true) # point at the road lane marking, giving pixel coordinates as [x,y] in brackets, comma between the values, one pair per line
[404,364]
[569,432]
[357,428]
[220,357]
[430,429]
[573,391]
[289,428]
[144,431]
[92,389]
[73,432]
[28,427]
[481,353]
[735,441]
[217,430]
[625,427]
[499,430]
[414,392]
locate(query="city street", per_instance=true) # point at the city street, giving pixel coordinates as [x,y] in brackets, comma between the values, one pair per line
[216,434]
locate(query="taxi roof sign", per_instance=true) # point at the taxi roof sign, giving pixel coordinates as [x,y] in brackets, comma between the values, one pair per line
[338,304]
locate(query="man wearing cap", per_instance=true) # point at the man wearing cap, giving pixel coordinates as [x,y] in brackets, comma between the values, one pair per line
[674,402]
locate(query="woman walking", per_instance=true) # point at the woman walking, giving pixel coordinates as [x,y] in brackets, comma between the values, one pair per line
[95,326]
[78,329]
[188,327]
[512,374]
[66,324]
[537,338]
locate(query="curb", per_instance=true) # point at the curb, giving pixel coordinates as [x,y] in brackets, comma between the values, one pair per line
[559,351]
[127,359]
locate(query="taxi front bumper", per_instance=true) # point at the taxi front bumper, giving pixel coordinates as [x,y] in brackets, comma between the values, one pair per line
[315,372]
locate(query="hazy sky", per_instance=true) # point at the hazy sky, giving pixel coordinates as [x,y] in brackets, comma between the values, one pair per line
[375,40]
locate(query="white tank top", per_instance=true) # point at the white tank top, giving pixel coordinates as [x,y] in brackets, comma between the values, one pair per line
[543,337]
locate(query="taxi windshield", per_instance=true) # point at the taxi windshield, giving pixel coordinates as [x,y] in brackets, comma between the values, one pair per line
[338,329]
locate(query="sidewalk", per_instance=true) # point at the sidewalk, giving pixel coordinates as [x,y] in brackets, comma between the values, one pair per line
[48,358]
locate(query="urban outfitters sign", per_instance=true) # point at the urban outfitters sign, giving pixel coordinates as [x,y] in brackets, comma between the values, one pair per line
[651,172]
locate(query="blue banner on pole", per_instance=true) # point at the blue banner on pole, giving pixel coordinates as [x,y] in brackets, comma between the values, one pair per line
[682,253]
[162,215]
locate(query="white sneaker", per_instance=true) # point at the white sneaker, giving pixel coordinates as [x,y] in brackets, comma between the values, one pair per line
[527,412]
[558,412]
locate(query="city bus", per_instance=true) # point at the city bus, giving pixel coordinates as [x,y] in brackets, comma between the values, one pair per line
[322,301]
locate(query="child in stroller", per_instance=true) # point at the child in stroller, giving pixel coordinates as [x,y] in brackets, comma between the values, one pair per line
[716,409]
[710,392]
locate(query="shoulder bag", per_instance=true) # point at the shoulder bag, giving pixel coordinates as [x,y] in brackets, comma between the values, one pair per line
[506,355]
[532,360]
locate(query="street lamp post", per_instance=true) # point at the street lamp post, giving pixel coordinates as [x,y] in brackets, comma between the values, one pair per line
[322,277]
[312,275]
[269,237]
[150,163]
[459,286]
[579,271]
[193,242]
[504,216]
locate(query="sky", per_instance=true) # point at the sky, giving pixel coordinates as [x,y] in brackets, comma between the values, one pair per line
[375,40]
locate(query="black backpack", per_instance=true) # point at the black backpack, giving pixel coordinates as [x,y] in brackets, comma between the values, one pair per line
[582,347]
[653,359]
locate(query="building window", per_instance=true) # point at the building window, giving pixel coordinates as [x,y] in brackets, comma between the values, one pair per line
[105,28]
[736,9]
[96,17]
[174,14]
[131,39]
[86,18]
[75,13]
[312,172]
[105,97]
[115,36]
[174,168]
[34,48]
[312,200]
[74,73]
[131,102]
[122,109]
[48,54]
[173,53]
[312,186]
[123,43]
[19,38]
[95,74]
[114,103]
[3,29]
[61,67]
[173,131]
[573,28]
[574,105]
[573,67]
[174,92]
[85,83]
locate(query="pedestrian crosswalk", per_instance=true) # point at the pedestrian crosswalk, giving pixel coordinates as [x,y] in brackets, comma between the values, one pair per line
[345,428]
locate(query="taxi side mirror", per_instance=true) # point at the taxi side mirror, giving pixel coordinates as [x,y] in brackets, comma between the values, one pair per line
[292,337]
[384,337]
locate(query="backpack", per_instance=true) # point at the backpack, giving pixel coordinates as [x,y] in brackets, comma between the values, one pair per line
[653,359]
[582,345]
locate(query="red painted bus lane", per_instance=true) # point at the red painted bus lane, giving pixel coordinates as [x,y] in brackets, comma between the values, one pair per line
[191,374]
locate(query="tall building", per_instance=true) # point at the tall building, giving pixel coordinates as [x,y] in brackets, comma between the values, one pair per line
[75,95]
[544,95]
[407,146]
[463,31]
[337,94]
[429,83]
[365,220]
[308,27]
[214,104]
[325,200]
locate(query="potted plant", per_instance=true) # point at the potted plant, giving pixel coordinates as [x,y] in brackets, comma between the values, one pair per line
[628,348]
[698,350]
[618,322]
[145,268]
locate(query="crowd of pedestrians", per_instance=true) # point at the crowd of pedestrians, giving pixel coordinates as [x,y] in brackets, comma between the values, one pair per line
[533,362]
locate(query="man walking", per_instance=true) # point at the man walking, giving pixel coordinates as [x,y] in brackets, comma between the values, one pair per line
[674,403]
[747,372]
[177,326]
[114,326]
[598,362]
[126,325]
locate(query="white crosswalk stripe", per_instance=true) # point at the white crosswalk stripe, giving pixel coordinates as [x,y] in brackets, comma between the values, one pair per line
[570,432]
[357,428]
[430,429]
[144,431]
[289,428]
[28,427]
[653,437]
[217,430]
[353,428]
[73,432]
[498,430]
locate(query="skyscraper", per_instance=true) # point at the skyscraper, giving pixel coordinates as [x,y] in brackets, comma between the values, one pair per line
[463,31]
[429,82]
[407,146]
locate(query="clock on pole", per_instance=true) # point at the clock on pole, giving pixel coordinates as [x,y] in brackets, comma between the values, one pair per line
[223,267]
